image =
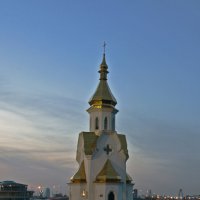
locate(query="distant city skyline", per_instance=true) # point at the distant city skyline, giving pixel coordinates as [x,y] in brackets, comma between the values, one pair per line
[50,52]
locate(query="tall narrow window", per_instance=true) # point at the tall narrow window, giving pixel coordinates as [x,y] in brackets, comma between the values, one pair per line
[105,123]
[90,122]
[111,196]
[113,123]
[96,123]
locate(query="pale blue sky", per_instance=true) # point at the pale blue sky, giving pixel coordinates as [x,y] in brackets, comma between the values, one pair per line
[50,52]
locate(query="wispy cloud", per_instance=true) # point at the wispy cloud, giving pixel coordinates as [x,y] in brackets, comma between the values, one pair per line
[36,135]
[162,151]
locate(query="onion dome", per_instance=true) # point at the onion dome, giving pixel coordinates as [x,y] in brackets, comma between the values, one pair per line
[103,94]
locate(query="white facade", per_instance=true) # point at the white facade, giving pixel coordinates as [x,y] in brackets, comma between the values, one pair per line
[102,119]
[101,153]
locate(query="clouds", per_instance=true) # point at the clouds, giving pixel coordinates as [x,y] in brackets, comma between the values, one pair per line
[39,133]
[37,136]
[163,153]
[48,63]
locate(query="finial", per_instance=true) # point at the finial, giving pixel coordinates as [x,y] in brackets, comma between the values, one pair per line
[103,67]
[104,56]
[104,47]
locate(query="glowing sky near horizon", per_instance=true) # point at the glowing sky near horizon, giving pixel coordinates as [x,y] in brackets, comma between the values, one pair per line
[50,52]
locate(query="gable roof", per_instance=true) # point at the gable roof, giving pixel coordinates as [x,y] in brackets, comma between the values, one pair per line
[122,139]
[90,140]
[108,174]
[80,175]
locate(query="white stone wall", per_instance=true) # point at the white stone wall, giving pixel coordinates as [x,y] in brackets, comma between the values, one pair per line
[100,157]
[76,190]
[95,163]
[102,191]
[101,115]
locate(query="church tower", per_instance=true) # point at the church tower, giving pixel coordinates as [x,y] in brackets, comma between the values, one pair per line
[102,152]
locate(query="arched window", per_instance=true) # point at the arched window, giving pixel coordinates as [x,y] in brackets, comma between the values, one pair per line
[105,123]
[111,196]
[113,123]
[96,123]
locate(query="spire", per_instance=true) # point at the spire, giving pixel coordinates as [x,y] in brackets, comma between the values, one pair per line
[104,47]
[103,67]
[103,92]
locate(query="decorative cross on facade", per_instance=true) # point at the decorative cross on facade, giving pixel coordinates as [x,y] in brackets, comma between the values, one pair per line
[107,149]
[104,47]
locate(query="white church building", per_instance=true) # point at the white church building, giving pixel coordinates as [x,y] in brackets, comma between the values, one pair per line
[102,152]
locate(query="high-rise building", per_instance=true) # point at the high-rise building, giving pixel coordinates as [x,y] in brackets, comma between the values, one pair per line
[102,152]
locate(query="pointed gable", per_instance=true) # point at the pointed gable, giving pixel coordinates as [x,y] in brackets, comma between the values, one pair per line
[80,175]
[108,174]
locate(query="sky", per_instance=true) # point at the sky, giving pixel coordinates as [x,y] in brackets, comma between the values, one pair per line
[50,52]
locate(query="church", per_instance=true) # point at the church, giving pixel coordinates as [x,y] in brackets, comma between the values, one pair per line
[101,152]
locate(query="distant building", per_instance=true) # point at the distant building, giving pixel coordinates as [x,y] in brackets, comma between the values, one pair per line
[10,190]
[46,193]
